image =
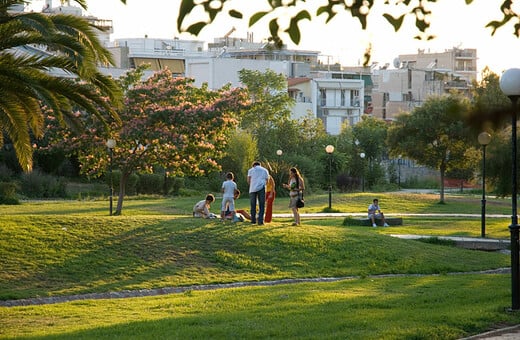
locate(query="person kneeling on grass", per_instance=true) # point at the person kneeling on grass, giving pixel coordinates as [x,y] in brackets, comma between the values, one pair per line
[374,211]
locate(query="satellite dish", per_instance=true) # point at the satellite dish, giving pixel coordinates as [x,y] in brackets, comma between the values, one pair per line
[397,63]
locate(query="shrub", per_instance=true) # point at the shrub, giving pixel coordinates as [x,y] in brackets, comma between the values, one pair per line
[348,183]
[173,185]
[6,174]
[39,185]
[424,182]
[150,184]
[131,184]
[8,193]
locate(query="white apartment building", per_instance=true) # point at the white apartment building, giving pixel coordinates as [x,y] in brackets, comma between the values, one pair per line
[217,72]
[334,101]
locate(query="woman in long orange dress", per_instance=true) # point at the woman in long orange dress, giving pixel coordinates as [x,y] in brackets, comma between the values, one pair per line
[270,194]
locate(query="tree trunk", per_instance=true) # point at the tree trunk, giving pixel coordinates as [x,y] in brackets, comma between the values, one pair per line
[122,186]
[442,171]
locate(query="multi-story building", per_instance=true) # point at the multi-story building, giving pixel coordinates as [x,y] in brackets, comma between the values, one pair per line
[331,92]
[335,101]
[334,97]
[415,77]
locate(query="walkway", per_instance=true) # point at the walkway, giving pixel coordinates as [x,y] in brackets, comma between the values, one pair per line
[336,215]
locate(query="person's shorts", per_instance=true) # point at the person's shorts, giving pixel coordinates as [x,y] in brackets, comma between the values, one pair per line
[228,202]
[378,215]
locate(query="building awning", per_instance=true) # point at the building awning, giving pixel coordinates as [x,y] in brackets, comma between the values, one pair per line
[174,65]
[368,79]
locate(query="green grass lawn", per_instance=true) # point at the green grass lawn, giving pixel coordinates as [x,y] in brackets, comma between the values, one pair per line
[59,248]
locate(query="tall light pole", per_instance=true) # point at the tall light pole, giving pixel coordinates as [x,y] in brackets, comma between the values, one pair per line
[111,144]
[362,155]
[330,149]
[510,85]
[483,138]
[279,173]
[399,172]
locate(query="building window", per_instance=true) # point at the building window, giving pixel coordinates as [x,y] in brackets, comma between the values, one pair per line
[343,98]
[323,97]
[354,98]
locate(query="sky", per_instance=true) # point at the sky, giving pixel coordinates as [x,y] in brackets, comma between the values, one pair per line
[342,40]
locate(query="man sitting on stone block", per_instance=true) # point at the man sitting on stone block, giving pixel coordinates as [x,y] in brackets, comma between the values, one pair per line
[374,212]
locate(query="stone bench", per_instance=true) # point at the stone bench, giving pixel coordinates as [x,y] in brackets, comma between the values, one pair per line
[367,222]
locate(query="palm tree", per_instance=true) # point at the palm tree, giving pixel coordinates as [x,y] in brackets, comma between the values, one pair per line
[34,48]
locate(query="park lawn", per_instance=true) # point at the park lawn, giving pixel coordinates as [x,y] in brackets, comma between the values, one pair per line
[54,253]
[411,307]
[59,248]
[496,228]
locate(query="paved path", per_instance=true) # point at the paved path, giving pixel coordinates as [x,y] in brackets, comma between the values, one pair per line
[507,333]
[336,215]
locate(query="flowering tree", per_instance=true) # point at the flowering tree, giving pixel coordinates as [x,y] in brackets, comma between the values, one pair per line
[167,123]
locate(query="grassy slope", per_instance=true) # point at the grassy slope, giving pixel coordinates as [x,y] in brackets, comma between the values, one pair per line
[58,248]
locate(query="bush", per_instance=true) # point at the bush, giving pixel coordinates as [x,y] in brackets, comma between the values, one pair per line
[6,174]
[150,184]
[131,184]
[173,185]
[39,185]
[425,182]
[348,183]
[211,183]
[87,190]
[8,193]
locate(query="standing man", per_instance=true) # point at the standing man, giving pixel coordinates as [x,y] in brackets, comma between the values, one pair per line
[257,178]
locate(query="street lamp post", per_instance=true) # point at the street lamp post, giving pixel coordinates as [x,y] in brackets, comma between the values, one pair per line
[483,138]
[330,149]
[111,144]
[399,172]
[510,85]
[362,155]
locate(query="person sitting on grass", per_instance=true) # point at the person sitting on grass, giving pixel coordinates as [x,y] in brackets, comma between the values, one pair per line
[201,208]
[374,212]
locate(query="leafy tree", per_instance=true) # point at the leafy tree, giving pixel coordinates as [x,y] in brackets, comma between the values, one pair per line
[270,102]
[26,84]
[167,123]
[240,153]
[434,135]
[491,112]
[371,134]
[491,109]
[498,162]
[358,9]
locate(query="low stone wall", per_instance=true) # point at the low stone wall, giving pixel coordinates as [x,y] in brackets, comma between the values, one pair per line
[392,221]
